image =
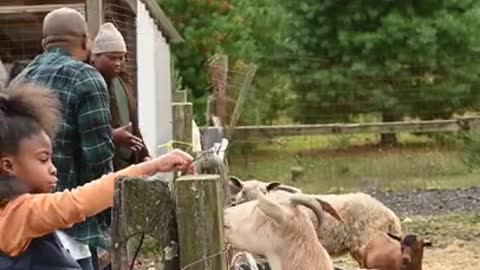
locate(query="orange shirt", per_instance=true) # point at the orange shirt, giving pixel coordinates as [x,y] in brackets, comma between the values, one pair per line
[31,216]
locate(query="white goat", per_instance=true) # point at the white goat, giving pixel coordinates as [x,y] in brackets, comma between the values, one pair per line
[244,191]
[281,230]
[363,217]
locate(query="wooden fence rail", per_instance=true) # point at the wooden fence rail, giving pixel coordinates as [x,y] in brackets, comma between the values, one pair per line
[265,132]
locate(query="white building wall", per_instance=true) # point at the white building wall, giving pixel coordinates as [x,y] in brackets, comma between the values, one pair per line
[154,83]
[163,78]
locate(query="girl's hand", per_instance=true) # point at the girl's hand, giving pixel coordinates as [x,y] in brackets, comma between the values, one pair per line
[172,161]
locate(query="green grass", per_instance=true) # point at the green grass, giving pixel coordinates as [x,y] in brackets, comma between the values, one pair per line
[346,163]
[440,229]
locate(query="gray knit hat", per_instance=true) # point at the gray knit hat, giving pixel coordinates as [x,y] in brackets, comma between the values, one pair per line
[63,25]
[109,40]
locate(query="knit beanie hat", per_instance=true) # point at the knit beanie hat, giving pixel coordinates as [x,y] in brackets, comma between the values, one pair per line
[109,40]
[63,25]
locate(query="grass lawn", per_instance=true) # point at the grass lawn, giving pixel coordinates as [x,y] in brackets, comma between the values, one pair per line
[345,163]
[455,238]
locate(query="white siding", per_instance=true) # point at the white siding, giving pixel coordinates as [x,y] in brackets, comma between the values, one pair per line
[154,83]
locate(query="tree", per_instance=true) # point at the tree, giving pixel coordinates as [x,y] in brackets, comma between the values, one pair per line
[394,58]
[236,28]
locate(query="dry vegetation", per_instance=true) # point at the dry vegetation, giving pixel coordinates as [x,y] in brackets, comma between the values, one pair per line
[456,242]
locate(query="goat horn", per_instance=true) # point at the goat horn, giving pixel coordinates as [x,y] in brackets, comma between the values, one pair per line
[310,203]
[327,207]
[396,237]
[288,189]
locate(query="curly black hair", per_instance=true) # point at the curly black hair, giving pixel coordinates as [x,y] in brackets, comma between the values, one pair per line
[26,111]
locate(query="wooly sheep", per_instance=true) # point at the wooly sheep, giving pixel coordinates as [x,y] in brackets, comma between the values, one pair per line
[362,214]
[281,230]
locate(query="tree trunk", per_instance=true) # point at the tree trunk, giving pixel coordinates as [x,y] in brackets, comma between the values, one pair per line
[388,139]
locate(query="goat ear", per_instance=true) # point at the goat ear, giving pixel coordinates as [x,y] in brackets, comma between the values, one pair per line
[398,238]
[271,209]
[273,186]
[235,185]
[236,181]
[327,207]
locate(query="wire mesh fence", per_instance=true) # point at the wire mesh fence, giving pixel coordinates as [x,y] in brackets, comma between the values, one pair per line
[300,90]
[21,32]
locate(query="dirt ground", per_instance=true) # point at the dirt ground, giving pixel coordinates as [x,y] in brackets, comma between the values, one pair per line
[456,242]
[431,202]
[449,218]
[459,255]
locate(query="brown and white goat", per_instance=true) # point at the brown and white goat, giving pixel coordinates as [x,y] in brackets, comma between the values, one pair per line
[390,252]
[281,230]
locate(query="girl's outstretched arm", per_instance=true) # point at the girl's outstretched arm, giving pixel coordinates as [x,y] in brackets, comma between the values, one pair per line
[33,215]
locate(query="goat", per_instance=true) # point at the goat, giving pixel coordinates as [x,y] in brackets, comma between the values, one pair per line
[248,190]
[412,252]
[241,260]
[362,214]
[280,230]
[389,252]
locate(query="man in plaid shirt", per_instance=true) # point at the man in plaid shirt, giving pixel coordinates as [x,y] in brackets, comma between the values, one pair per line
[83,148]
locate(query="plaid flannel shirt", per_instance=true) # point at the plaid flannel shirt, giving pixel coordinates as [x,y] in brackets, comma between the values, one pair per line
[83,149]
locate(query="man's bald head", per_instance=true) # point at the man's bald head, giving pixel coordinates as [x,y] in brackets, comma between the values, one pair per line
[65,27]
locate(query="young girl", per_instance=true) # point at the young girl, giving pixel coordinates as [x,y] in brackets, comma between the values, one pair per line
[29,214]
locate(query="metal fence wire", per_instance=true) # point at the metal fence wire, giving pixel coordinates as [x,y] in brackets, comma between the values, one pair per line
[21,33]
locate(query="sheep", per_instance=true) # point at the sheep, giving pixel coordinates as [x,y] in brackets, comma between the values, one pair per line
[363,217]
[389,252]
[280,230]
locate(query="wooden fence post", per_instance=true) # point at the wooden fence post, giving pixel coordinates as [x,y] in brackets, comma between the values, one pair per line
[179,96]
[199,202]
[144,207]
[211,136]
[182,124]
